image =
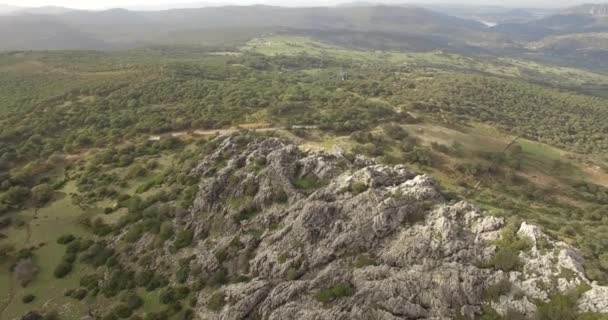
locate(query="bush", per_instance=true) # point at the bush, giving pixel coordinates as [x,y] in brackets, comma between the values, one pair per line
[506,260]
[216,301]
[187,315]
[69,257]
[28,298]
[41,194]
[493,292]
[307,183]
[358,187]
[63,269]
[183,238]
[394,132]
[340,290]
[560,307]
[65,239]
[363,261]
[132,300]
[79,294]
[122,311]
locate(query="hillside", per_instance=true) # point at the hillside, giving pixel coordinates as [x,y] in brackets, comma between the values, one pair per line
[128,28]
[353,162]
[35,33]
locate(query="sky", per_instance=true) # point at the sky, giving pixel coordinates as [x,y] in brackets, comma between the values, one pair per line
[164,4]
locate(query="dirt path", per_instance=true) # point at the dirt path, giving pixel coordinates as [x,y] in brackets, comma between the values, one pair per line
[219,132]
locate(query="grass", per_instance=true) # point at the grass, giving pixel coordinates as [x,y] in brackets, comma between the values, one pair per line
[58,218]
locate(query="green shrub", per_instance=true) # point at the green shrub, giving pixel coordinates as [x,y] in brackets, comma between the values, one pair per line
[187,315]
[131,300]
[184,238]
[79,294]
[219,277]
[122,311]
[28,298]
[307,183]
[166,231]
[394,131]
[506,260]
[69,257]
[293,274]
[63,269]
[362,261]
[493,292]
[560,307]
[338,291]
[217,301]
[281,197]
[65,239]
[134,233]
[358,187]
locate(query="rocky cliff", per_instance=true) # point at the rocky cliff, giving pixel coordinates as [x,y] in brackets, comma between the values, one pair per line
[294,235]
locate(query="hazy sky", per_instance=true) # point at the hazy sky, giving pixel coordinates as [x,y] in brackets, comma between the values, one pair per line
[101,4]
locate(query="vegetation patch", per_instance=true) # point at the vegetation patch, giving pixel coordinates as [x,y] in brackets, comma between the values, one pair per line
[338,291]
[308,183]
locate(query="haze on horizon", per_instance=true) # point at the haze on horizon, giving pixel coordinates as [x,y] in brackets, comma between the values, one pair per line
[166,4]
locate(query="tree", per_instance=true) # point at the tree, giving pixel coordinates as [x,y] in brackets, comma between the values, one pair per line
[16,195]
[41,194]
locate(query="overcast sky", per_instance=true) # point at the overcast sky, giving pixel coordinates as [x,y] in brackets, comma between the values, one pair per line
[163,4]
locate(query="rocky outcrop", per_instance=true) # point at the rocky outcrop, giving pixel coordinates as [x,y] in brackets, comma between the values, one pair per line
[328,236]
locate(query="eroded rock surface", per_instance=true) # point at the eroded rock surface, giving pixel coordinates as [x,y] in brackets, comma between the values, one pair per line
[287,227]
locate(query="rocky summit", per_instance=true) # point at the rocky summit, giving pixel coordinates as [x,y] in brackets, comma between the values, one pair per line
[287,234]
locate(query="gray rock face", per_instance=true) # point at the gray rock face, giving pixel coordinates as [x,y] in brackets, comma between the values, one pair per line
[289,227]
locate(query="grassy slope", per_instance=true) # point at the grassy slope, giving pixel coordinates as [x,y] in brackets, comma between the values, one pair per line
[60,218]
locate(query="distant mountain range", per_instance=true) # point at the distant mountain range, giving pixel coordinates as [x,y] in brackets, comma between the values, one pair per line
[124,28]
[445,27]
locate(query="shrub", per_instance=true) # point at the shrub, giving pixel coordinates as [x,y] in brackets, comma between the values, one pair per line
[216,301]
[122,311]
[307,183]
[65,239]
[69,257]
[281,197]
[63,269]
[219,277]
[505,260]
[187,315]
[183,238]
[41,194]
[560,307]
[394,131]
[134,233]
[338,291]
[493,292]
[79,294]
[358,187]
[132,300]
[363,261]
[28,298]
[166,231]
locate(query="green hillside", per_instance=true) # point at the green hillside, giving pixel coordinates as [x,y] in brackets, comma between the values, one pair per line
[97,150]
